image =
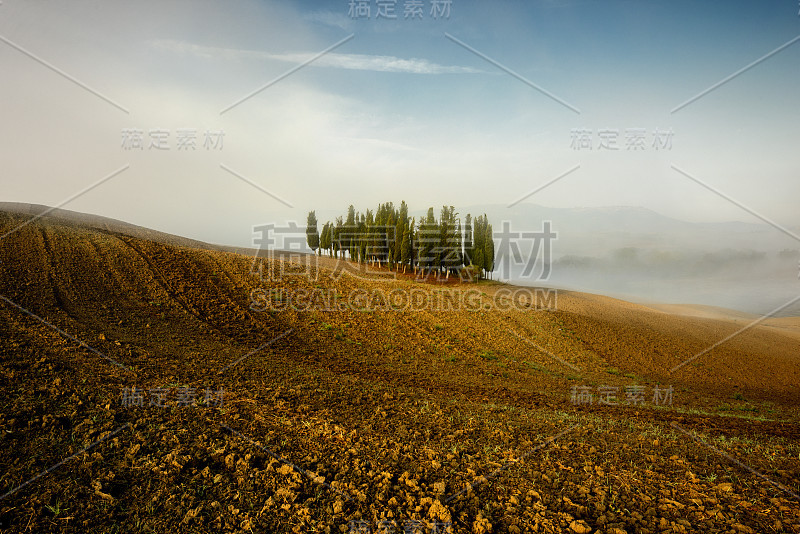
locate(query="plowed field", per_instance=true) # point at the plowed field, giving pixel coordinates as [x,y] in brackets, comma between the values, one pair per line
[151,386]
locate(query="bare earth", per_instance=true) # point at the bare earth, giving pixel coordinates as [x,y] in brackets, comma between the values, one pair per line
[369,416]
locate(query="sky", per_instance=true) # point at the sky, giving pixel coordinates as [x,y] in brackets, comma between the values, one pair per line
[306,105]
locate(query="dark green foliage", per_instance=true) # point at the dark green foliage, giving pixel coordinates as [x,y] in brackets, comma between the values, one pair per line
[325,238]
[482,244]
[468,240]
[312,233]
[387,237]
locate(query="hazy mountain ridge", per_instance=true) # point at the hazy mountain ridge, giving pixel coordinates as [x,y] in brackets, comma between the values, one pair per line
[628,223]
[638,254]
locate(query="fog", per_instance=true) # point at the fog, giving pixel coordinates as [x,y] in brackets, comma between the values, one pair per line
[639,255]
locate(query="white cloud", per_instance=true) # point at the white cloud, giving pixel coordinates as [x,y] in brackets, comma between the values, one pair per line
[329,18]
[334,60]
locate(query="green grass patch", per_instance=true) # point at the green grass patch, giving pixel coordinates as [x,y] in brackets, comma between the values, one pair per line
[487,355]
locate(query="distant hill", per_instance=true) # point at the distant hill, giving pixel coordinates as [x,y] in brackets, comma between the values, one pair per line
[637,254]
[85,220]
[592,231]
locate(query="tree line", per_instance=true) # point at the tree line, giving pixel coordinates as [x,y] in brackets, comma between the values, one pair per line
[389,237]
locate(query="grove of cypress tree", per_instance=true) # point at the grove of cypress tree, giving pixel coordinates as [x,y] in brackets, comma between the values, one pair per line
[387,236]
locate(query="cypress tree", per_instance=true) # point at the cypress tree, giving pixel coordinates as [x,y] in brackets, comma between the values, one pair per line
[468,240]
[312,233]
[325,238]
[443,245]
[368,238]
[336,231]
[389,238]
[401,220]
[405,247]
[399,233]
[488,257]
[414,245]
[428,240]
[479,235]
[458,259]
[361,240]
[349,231]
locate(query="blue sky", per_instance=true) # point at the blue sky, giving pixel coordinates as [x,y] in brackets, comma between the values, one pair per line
[399,111]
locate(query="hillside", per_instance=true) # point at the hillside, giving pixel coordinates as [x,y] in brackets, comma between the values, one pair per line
[331,416]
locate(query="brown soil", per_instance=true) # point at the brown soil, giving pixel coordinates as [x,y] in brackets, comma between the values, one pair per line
[460,417]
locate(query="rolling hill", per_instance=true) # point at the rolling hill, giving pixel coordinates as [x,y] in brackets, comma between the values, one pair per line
[152,382]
